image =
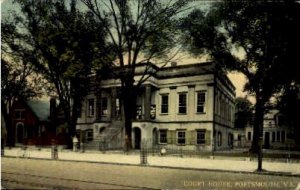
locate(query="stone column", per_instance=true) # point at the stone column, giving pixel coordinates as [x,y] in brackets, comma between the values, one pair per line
[173,103]
[113,102]
[147,102]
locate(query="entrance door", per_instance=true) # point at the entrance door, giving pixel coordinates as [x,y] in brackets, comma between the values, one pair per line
[267,140]
[20,133]
[137,138]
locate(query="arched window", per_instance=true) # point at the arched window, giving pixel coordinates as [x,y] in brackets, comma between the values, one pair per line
[219,138]
[101,129]
[230,139]
[20,132]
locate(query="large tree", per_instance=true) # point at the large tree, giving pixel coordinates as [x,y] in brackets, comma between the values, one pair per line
[243,112]
[18,79]
[258,38]
[141,31]
[60,42]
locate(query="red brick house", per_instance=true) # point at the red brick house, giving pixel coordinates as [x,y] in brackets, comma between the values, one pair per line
[31,124]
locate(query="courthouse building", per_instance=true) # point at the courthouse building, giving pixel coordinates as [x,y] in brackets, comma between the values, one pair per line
[189,106]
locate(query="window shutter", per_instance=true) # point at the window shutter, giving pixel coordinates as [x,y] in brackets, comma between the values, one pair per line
[171,137]
[174,137]
[207,137]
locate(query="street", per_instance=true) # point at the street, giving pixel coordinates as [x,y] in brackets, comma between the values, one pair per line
[20,173]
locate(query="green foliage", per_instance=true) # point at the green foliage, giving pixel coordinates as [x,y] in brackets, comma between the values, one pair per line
[138,28]
[244,112]
[200,32]
[16,82]
[17,75]
[140,31]
[61,43]
[266,33]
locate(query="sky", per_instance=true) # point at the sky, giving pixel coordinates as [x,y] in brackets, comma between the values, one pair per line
[237,79]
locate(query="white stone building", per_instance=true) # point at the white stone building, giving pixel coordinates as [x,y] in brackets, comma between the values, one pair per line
[275,131]
[187,106]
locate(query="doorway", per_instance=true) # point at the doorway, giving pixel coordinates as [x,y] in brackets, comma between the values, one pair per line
[137,138]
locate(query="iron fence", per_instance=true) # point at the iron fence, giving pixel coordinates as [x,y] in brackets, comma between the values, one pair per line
[147,146]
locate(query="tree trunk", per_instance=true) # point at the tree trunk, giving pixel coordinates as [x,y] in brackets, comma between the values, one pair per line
[257,125]
[10,136]
[258,130]
[129,102]
[75,113]
[77,97]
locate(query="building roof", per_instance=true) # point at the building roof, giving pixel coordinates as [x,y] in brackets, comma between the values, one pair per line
[186,70]
[172,71]
[40,108]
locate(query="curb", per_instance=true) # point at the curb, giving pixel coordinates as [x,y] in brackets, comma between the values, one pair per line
[271,173]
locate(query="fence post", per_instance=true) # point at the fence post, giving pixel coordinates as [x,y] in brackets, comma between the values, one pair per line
[54,151]
[75,143]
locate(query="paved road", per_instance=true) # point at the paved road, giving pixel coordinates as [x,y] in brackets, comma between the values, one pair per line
[20,173]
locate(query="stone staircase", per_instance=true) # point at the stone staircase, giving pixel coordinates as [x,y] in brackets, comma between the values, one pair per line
[110,139]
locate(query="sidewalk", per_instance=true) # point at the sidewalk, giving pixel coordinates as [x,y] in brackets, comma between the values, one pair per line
[217,164]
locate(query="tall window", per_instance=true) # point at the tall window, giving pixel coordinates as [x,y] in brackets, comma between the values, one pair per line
[138,112]
[249,136]
[152,111]
[273,136]
[164,103]
[163,136]
[230,139]
[104,107]
[200,102]
[219,138]
[91,108]
[182,103]
[201,137]
[181,137]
